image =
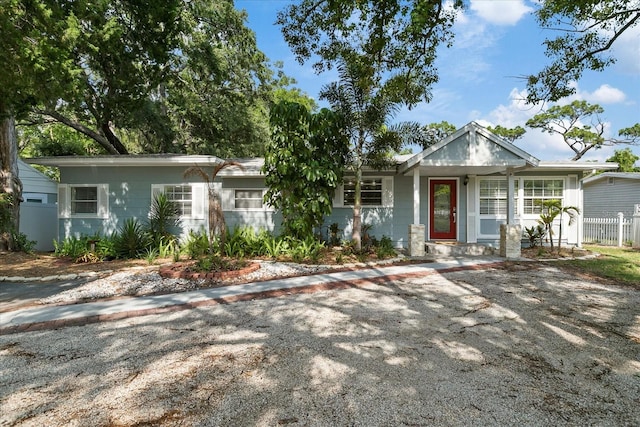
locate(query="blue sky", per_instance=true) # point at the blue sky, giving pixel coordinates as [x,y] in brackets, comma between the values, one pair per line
[496,41]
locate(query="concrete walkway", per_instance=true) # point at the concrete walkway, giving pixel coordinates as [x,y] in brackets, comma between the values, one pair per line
[48,317]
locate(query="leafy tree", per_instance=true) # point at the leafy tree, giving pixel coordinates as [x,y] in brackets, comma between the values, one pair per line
[120,55]
[436,132]
[399,38]
[366,111]
[567,121]
[34,70]
[303,165]
[631,134]
[385,51]
[218,96]
[510,134]
[625,159]
[589,30]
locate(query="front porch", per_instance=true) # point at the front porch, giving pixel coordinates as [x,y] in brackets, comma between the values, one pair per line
[446,214]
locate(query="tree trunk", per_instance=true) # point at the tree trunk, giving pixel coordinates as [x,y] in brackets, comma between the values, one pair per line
[10,184]
[113,139]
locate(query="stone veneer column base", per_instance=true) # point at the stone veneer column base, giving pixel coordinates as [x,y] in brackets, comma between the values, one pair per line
[510,241]
[416,240]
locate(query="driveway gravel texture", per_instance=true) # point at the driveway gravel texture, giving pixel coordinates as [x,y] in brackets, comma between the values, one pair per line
[521,344]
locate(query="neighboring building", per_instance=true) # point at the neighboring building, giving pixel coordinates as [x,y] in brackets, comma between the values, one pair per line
[461,188]
[608,193]
[38,215]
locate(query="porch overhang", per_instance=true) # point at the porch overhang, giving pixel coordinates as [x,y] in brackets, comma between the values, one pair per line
[471,150]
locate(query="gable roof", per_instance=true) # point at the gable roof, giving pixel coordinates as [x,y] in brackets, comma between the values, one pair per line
[617,175]
[472,146]
[34,181]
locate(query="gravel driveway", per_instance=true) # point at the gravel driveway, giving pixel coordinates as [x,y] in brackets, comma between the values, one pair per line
[524,345]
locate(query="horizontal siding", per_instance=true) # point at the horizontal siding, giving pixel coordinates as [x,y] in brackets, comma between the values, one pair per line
[602,200]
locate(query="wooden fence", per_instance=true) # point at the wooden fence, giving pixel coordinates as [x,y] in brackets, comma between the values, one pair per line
[607,231]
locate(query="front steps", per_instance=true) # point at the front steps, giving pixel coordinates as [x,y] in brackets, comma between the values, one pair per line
[459,249]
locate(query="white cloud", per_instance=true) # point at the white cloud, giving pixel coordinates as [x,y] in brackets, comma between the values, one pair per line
[605,94]
[626,51]
[500,12]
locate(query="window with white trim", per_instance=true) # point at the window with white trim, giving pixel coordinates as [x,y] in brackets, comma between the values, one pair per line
[370,192]
[536,191]
[248,199]
[493,196]
[375,192]
[181,196]
[189,198]
[83,200]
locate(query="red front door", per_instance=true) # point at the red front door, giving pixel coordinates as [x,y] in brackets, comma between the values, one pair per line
[442,209]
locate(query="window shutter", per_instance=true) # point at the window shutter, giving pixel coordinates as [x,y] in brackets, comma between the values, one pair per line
[103,200]
[199,200]
[64,201]
[387,192]
[338,197]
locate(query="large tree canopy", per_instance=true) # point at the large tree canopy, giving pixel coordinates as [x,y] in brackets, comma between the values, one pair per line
[386,51]
[589,29]
[399,38]
[580,125]
[120,54]
[34,45]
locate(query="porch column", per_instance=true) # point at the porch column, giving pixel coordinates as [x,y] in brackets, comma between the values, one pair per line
[416,230]
[416,196]
[510,196]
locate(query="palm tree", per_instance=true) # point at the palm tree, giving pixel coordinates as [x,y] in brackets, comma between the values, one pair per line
[551,209]
[217,224]
[366,110]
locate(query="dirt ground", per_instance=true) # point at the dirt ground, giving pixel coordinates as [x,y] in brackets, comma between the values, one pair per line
[20,264]
[526,344]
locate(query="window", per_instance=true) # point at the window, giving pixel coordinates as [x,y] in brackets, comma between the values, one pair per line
[537,191]
[83,201]
[190,198]
[374,191]
[248,199]
[493,196]
[371,192]
[182,196]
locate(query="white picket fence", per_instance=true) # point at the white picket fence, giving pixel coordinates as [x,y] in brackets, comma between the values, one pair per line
[607,231]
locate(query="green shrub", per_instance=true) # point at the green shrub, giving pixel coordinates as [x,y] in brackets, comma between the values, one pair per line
[164,216]
[21,243]
[106,247]
[384,248]
[196,244]
[131,240]
[308,249]
[72,247]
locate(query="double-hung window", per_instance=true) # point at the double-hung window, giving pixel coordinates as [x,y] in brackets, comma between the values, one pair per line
[536,191]
[181,196]
[493,197]
[189,198]
[247,199]
[374,192]
[83,200]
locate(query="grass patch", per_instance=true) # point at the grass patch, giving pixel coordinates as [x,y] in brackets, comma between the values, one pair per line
[621,265]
